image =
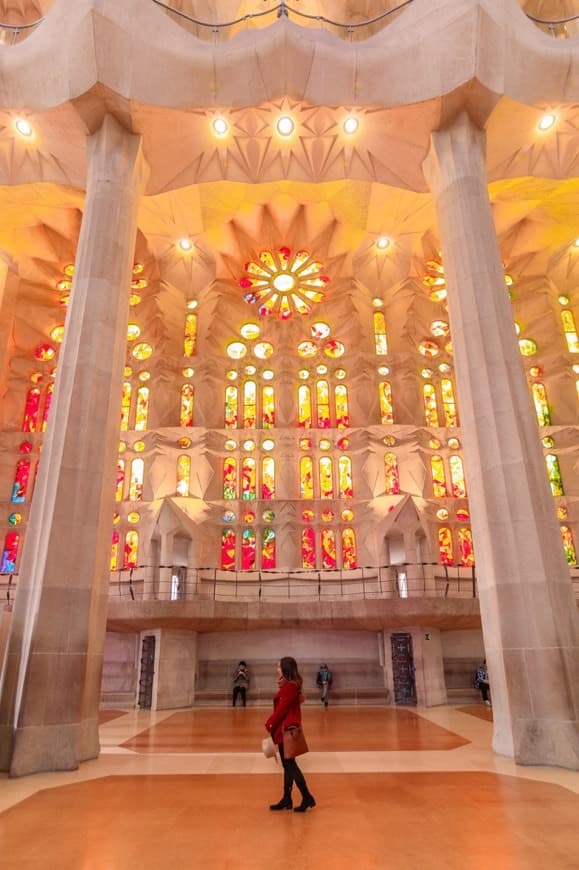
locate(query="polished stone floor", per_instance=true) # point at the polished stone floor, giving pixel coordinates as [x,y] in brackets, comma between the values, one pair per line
[397,789]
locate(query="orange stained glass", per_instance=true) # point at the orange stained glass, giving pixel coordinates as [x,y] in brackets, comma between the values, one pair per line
[541,406]
[228,550]
[268,407]
[268,549]
[186,409]
[306,477]
[465,548]
[120,482]
[342,415]
[445,546]
[570,331]
[231,407]
[190,340]
[229,478]
[554,473]
[345,477]
[323,404]
[125,406]
[430,405]
[267,478]
[183,475]
[248,550]
[131,549]
[115,551]
[326,478]
[349,555]
[385,393]
[308,548]
[47,403]
[380,339]
[328,549]
[448,403]
[248,483]
[249,404]
[136,482]
[31,410]
[392,475]
[568,545]
[304,407]
[142,412]
[457,477]
[438,477]
[10,553]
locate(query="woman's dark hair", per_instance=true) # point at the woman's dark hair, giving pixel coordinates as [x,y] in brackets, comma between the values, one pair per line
[289,668]
[242,663]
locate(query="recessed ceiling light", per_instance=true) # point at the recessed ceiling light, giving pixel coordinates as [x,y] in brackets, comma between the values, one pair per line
[220,127]
[382,243]
[351,124]
[23,127]
[185,245]
[546,122]
[285,125]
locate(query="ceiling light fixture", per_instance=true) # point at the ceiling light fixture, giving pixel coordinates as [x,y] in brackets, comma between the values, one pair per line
[285,126]
[576,243]
[185,245]
[546,122]
[220,127]
[382,243]
[23,127]
[351,124]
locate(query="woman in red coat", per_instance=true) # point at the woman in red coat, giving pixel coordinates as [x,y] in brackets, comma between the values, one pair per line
[287,714]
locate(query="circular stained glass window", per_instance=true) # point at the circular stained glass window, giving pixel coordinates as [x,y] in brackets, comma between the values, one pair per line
[334,349]
[15,519]
[250,331]
[307,349]
[439,328]
[263,350]
[69,270]
[561,512]
[232,375]
[268,516]
[343,443]
[303,374]
[184,443]
[236,350]
[563,300]
[322,370]
[36,377]
[228,517]
[133,517]
[25,447]
[442,514]
[249,517]
[192,304]
[320,330]
[383,370]
[340,374]
[250,370]
[64,299]
[283,283]
[325,444]
[444,369]
[139,284]
[527,347]
[377,303]
[144,376]
[327,516]
[347,515]
[268,375]
[426,373]
[133,331]
[134,298]
[307,515]
[453,443]
[116,519]
[127,371]
[535,371]
[64,284]
[306,443]
[248,445]
[44,352]
[230,444]
[143,350]
[389,441]
[428,348]
[548,442]
[139,446]
[434,444]
[268,444]
[122,446]
[138,269]
[462,514]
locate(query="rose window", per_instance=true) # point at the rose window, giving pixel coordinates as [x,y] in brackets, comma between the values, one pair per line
[283,283]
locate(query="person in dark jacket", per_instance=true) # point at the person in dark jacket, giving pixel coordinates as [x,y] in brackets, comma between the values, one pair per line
[287,714]
[324,683]
[241,683]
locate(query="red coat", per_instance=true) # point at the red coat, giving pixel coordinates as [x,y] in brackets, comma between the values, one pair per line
[286,711]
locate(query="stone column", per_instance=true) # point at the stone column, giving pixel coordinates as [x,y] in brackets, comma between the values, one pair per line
[51,682]
[177,669]
[528,610]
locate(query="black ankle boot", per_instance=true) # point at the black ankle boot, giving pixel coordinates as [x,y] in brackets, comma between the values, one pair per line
[307,802]
[284,804]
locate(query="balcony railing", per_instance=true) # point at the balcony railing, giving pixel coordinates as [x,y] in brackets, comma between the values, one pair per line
[13,33]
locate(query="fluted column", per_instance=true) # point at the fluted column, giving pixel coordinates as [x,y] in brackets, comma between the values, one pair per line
[528,611]
[51,682]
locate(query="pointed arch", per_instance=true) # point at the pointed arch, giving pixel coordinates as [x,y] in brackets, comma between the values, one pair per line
[131,549]
[438,477]
[186,408]
[32,406]
[341,403]
[430,405]
[267,478]
[136,481]
[392,474]
[304,407]
[385,395]
[229,478]
[231,397]
[323,404]
[306,477]
[183,475]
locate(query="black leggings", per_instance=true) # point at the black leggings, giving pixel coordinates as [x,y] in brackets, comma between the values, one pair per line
[291,774]
[239,690]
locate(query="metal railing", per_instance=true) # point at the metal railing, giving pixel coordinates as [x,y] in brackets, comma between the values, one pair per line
[13,33]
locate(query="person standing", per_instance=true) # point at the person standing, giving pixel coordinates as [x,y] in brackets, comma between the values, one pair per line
[324,683]
[482,682]
[287,714]
[241,683]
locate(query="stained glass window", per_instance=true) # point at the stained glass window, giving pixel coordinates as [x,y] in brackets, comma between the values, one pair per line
[131,549]
[306,477]
[186,412]
[229,478]
[448,403]
[385,392]
[445,546]
[120,482]
[438,477]
[328,549]
[308,548]
[183,475]
[349,557]
[380,339]
[31,410]
[304,407]
[228,549]
[342,415]
[47,403]
[268,407]
[541,406]
[231,407]
[142,412]
[345,477]
[115,551]
[248,485]
[267,478]
[568,545]
[457,477]
[323,404]
[283,282]
[268,549]
[570,331]
[465,548]
[249,404]
[554,473]
[136,483]
[430,405]
[248,550]
[20,481]
[10,553]
[125,406]
[190,341]
[326,477]
[392,474]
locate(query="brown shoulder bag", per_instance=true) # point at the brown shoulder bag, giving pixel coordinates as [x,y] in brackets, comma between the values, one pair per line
[294,742]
